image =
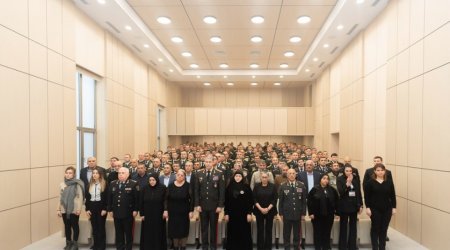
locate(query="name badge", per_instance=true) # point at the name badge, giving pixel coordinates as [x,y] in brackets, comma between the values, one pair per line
[299,190]
[351,193]
[215,178]
[127,189]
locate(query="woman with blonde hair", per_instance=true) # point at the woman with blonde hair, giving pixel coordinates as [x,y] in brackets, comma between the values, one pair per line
[96,207]
[69,206]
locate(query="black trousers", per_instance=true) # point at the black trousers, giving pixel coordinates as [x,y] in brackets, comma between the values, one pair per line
[288,227]
[264,225]
[209,220]
[124,233]
[347,241]
[378,231]
[322,231]
[98,225]
[70,224]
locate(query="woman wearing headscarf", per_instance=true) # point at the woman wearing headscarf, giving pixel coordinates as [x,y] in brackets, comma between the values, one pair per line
[265,195]
[238,213]
[153,214]
[322,203]
[96,208]
[179,206]
[69,206]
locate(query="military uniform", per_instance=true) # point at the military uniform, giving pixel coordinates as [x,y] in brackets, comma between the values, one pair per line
[209,195]
[292,206]
[123,201]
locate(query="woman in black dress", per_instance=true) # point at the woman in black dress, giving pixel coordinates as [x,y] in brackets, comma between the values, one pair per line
[180,206]
[152,206]
[322,202]
[380,205]
[350,204]
[265,195]
[238,213]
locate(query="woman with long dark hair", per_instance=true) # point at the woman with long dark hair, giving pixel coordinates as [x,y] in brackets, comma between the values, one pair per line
[96,208]
[238,213]
[153,214]
[69,206]
[381,204]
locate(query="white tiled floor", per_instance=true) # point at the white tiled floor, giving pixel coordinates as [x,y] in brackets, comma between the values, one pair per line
[397,242]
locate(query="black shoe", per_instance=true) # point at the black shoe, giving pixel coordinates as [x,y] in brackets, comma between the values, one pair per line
[197,243]
[387,238]
[68,245]
[302,245]
[277,243]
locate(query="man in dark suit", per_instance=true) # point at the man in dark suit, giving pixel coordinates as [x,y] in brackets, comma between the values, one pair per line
[209,200]
[86,173]
[123,204]
[167,177]
[309,177]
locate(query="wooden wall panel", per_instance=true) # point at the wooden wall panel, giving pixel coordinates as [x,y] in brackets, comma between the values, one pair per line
[171,121]
[227,122]
[254,121]
[267,121]
[281,120]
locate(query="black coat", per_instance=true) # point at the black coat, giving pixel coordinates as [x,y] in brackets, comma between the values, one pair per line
[322,201]
[265,196]
[103,199]
[349,203]
[303,177]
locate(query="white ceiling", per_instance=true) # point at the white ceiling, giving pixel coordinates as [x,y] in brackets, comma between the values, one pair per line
[151,40]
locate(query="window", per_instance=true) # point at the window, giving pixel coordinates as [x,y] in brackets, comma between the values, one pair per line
[86,117]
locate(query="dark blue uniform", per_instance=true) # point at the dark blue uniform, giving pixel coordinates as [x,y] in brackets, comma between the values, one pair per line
[123,201]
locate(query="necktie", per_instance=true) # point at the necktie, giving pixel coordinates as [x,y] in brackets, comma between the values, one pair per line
[208,176]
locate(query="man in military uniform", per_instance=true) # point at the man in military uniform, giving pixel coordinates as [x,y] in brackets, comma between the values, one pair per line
[123,206]
[292,208]
[209,200]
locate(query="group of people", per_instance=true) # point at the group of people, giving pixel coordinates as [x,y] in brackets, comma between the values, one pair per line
[272,182]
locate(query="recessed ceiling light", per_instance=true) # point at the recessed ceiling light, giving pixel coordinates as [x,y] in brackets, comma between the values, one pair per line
[253,77]
[281,76]
[277,84]
[304,19]
[163,20]
[289,54]
[230,84]
[254,83]
[257,19]
[198,76]
[256,39]
[254,66]
[171,70]
[128,27]
[315,59]
[295,39]
[206,83]
[284,65]
[194,66]
[359,1]
[326,45]
[160,59]
[209,19]
[146,45]
[101,1]
[225,77]
[177,39]
[215,39]
[223,65]
[186,54]
[306,70]
[339,27]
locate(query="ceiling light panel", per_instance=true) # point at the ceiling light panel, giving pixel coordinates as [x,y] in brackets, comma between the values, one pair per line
[304,19]
[209,20]
[257,19]
[317,13]
[164,20]
[176,39]
[256,39]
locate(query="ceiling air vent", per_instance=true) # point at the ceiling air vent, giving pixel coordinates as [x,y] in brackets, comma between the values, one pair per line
[113,27]
[375,3]
[84,1]
[334,50]
[136,48]
[312,75]
[321,64]
[352,29]
[153,63]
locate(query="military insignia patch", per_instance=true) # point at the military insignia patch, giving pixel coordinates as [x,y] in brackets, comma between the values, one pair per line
[286,191]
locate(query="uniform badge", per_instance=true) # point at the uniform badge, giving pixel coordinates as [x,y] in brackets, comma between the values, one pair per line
[242,192]
[286,191]
[215,185]
[114,189]
[299,190]
[215,178]
[200,179]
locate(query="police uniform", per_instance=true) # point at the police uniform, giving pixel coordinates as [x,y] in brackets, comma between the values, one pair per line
[209,195]
[292,206]
[123,201]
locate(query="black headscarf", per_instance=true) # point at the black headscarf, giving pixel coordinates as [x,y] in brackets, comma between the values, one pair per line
[156,176]
[235,188]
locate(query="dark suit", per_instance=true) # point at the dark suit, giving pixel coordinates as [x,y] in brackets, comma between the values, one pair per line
[171,179]
[209,195]
[303,177]
[84,174]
